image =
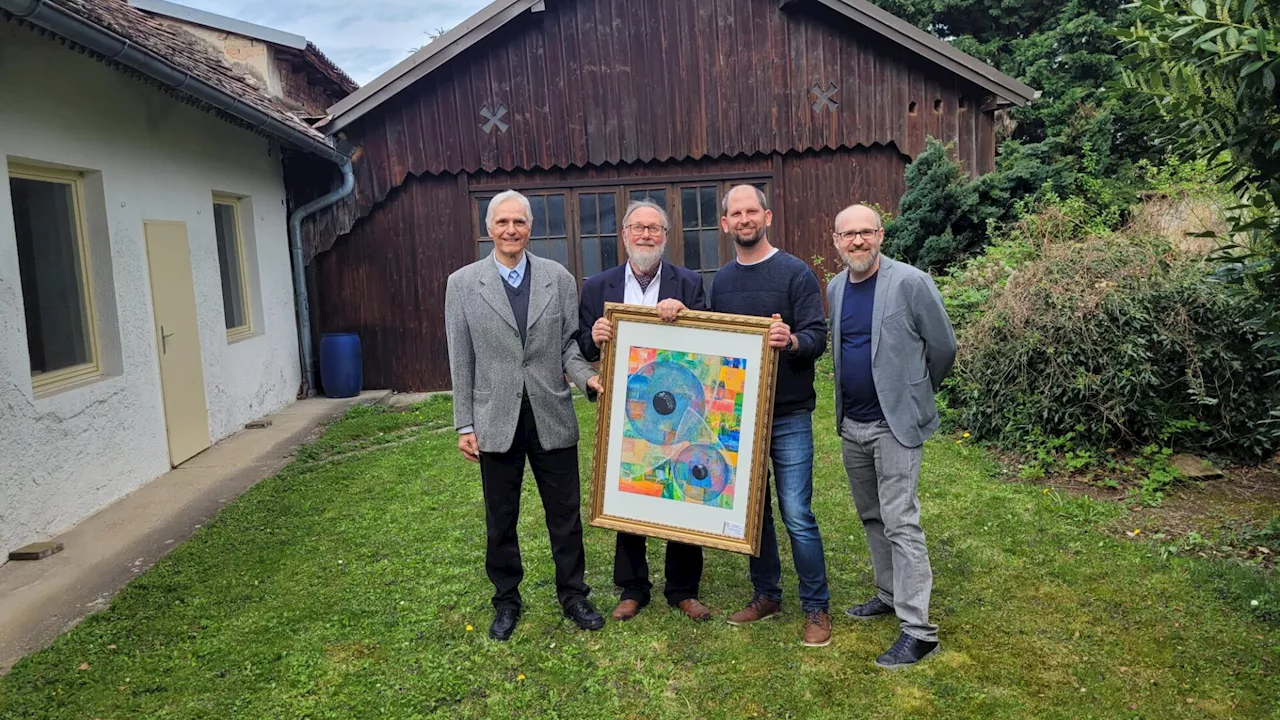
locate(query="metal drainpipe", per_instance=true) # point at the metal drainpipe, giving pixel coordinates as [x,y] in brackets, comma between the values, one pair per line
[299,267]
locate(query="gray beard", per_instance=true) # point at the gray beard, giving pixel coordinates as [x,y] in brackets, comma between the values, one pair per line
[861,267]
[645,261]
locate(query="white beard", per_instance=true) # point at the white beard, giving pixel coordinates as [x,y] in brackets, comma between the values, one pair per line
[646,259]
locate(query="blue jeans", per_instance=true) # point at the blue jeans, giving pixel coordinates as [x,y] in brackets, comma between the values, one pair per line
[791,450]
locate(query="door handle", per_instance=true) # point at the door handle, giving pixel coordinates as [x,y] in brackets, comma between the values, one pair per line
[164,341]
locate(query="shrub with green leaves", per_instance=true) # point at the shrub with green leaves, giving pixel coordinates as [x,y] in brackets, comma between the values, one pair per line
[1115,339]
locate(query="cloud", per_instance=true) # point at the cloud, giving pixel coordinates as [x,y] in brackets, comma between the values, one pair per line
[364,43]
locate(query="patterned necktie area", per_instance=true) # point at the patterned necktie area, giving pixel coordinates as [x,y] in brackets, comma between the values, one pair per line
[512,277]
[644,280]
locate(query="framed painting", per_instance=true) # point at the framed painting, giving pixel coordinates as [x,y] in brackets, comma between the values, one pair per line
[683,426]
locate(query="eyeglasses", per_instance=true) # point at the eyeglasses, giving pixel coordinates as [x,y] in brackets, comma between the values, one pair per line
[638,229]
[849,235]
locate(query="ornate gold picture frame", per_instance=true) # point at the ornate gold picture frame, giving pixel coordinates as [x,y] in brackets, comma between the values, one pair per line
[683,427]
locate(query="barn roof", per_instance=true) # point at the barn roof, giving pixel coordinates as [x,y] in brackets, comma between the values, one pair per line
[1007,90]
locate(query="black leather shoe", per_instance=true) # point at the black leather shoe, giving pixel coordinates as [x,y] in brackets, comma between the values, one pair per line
[870,610]
[907,651]
[584,615]
[504,623]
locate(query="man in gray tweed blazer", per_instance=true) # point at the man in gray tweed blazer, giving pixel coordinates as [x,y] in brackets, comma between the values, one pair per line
[893,346]
[512,324]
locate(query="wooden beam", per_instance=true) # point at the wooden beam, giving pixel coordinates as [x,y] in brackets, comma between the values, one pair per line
[539,6]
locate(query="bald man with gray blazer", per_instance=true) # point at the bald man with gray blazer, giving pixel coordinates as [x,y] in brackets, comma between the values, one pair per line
[893,346]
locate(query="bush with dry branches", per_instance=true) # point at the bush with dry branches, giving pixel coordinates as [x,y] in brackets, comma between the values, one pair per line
[1114,340]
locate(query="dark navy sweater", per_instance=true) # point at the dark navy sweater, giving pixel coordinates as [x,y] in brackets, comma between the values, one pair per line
[861,404]
[782,284]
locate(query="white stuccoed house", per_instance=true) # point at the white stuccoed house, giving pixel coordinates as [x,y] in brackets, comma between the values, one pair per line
[147,296]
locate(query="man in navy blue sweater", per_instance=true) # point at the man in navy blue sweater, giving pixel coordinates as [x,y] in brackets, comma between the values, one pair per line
[766,281]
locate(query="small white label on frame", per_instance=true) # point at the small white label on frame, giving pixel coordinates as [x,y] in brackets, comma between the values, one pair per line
[734,530]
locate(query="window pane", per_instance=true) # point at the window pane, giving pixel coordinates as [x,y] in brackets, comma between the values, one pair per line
[555,215]
[692,251]
[706,282]
[590,256]
[608,214]
[587,224]
[689,207]
[482,208]
[541,248]
[50,269]
[229,264]
[483,248]
[609,251]
[709,210]
[539,205]
[658,196]
[560,252]
[710,250]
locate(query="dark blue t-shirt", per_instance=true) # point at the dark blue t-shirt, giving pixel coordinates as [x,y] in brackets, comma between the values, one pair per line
[857,386]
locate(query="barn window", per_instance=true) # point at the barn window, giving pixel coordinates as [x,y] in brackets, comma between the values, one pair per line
[700,230]
[597,231]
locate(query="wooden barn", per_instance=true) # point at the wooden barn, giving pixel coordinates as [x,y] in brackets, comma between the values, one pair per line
[584,105]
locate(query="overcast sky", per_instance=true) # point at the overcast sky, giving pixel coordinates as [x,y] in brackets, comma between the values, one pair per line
[364,38]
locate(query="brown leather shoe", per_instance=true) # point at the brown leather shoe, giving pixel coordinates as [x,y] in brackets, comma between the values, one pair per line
[695,610]
[817,628]
[626,610]
[760,608]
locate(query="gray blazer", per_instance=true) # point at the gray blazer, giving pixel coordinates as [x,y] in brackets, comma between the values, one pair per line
[912,347]
[491,369]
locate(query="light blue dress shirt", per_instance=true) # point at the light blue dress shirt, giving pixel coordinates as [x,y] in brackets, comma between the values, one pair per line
[513,277]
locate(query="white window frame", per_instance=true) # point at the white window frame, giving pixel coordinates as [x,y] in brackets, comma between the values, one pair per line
[42,382]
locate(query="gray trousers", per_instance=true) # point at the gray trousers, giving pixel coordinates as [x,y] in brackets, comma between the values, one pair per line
[884,476]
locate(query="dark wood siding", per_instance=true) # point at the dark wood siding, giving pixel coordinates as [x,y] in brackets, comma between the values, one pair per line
[816,185]
[386,279]
[610,82]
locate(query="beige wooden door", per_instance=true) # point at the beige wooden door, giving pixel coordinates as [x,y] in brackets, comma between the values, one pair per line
[173,297]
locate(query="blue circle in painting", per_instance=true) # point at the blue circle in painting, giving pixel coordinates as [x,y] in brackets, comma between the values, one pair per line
[658,396]
[702,472]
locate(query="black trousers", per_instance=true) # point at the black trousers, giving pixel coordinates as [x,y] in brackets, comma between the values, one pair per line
[631,570]
[556,472]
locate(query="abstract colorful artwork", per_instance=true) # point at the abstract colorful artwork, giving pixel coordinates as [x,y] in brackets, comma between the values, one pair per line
[683,423]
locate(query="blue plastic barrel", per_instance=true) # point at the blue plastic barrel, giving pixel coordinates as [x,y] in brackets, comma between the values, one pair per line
[341,364]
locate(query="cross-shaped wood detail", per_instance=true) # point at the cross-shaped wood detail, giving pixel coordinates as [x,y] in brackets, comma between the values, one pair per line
[493,119]
[825,99]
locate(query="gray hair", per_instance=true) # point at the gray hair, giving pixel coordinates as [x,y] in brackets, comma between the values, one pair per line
[637,204]
[724,203]
[502,197]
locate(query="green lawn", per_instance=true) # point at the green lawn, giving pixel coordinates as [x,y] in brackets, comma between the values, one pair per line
[352,585]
